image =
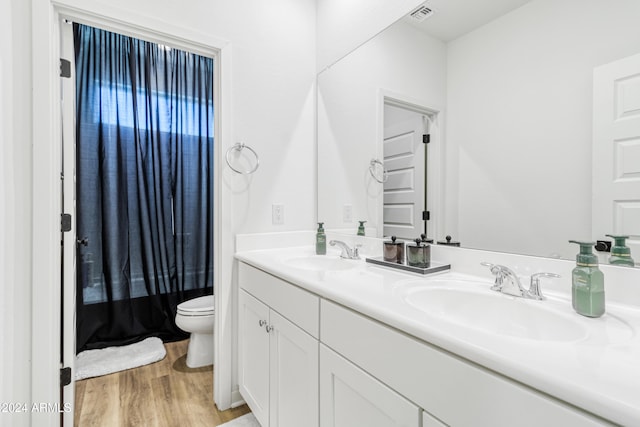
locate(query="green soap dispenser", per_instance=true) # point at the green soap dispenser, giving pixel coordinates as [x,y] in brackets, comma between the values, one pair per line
[321,240]
[587,290]
[620,253]
[361,228]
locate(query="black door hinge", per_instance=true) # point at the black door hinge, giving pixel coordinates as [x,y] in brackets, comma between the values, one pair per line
[65,376]
[426,215]
[426,138]
[65,68]
[65,222]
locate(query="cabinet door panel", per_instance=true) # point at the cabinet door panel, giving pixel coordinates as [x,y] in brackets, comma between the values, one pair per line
[294,375]
[253,349]
[349,397]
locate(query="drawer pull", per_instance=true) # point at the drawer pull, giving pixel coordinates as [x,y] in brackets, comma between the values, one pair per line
[262,323]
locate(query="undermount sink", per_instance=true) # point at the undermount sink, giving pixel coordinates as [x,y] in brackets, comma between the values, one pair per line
[320,263]
[495,313]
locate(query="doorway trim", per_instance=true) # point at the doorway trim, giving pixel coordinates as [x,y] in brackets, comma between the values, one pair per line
[435,179]
[46,136]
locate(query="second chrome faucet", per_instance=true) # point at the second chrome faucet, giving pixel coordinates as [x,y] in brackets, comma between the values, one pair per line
[507,282]
[347,252]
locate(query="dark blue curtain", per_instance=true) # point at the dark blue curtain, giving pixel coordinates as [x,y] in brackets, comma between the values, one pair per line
[144,147]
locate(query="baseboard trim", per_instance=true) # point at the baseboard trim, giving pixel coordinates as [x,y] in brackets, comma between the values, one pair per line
[236,399]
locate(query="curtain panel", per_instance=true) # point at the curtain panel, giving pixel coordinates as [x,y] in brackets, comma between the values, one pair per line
[144,168]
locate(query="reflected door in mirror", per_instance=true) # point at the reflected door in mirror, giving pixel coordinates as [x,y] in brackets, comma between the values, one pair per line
[616,150]
[405,162]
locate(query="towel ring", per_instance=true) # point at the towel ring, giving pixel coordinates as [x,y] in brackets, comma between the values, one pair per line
[239,146]
[372,166]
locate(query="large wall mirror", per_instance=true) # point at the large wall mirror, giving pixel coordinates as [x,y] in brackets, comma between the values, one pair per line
[513,95]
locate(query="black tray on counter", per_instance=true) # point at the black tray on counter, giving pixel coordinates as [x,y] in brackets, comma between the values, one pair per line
[434,267]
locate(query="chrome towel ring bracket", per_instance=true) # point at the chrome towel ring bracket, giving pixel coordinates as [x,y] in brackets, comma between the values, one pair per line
[239,146]
[377,164]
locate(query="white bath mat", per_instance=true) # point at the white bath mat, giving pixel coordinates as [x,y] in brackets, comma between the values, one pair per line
[247,420]
[94,363]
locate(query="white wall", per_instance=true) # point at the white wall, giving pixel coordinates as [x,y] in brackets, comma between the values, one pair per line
[345,25]
[401,61]
[15,213]
[519,122]
[273,95]
[274,107]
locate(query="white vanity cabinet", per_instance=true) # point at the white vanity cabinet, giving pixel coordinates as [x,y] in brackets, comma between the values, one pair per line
[450,389]
[278,350]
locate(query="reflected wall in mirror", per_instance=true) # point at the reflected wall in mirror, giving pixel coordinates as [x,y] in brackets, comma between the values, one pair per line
[512,104]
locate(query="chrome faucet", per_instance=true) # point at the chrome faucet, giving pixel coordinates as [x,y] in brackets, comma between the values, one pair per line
[347,252]
[507,282]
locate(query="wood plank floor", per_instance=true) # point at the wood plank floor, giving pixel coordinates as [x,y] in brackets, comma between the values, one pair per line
[165,393]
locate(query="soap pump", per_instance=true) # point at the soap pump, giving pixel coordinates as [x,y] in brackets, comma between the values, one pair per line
[620,253]
[361,228]
[587,289]
[321,240]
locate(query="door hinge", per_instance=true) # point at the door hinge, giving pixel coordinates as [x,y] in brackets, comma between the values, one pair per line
[65,68]
[65,222]
[65,376]
[426,215]
[426,138]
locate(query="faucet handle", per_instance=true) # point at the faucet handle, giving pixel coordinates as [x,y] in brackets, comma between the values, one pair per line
[356,251]
[498,272]
[534,289]
[494,268]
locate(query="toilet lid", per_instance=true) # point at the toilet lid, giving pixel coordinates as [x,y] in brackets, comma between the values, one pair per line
[200,306]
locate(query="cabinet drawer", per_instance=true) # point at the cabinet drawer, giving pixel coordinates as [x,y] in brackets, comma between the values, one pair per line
[299,306]
[455,391]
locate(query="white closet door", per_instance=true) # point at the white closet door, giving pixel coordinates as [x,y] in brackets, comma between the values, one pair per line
[616,151]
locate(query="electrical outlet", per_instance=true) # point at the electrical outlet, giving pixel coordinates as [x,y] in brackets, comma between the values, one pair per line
[347,213]
[277,214]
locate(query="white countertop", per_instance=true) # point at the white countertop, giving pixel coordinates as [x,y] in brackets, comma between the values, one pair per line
[599,373]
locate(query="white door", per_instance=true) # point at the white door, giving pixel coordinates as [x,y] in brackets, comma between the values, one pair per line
[293,375]
[349,397]
[253,351]
[405,162]
[68,324]
[616,151]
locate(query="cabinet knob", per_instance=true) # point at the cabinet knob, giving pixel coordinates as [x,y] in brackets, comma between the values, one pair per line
[262,323]
[269,328]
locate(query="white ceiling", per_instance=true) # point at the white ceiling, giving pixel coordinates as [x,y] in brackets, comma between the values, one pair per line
[454,18]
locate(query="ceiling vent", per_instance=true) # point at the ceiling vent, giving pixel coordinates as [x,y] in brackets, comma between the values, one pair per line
[421,13]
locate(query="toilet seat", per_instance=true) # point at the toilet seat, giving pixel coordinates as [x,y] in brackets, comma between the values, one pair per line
[201,306]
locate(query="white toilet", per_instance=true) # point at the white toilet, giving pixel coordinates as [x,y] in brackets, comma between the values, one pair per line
[196,316]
